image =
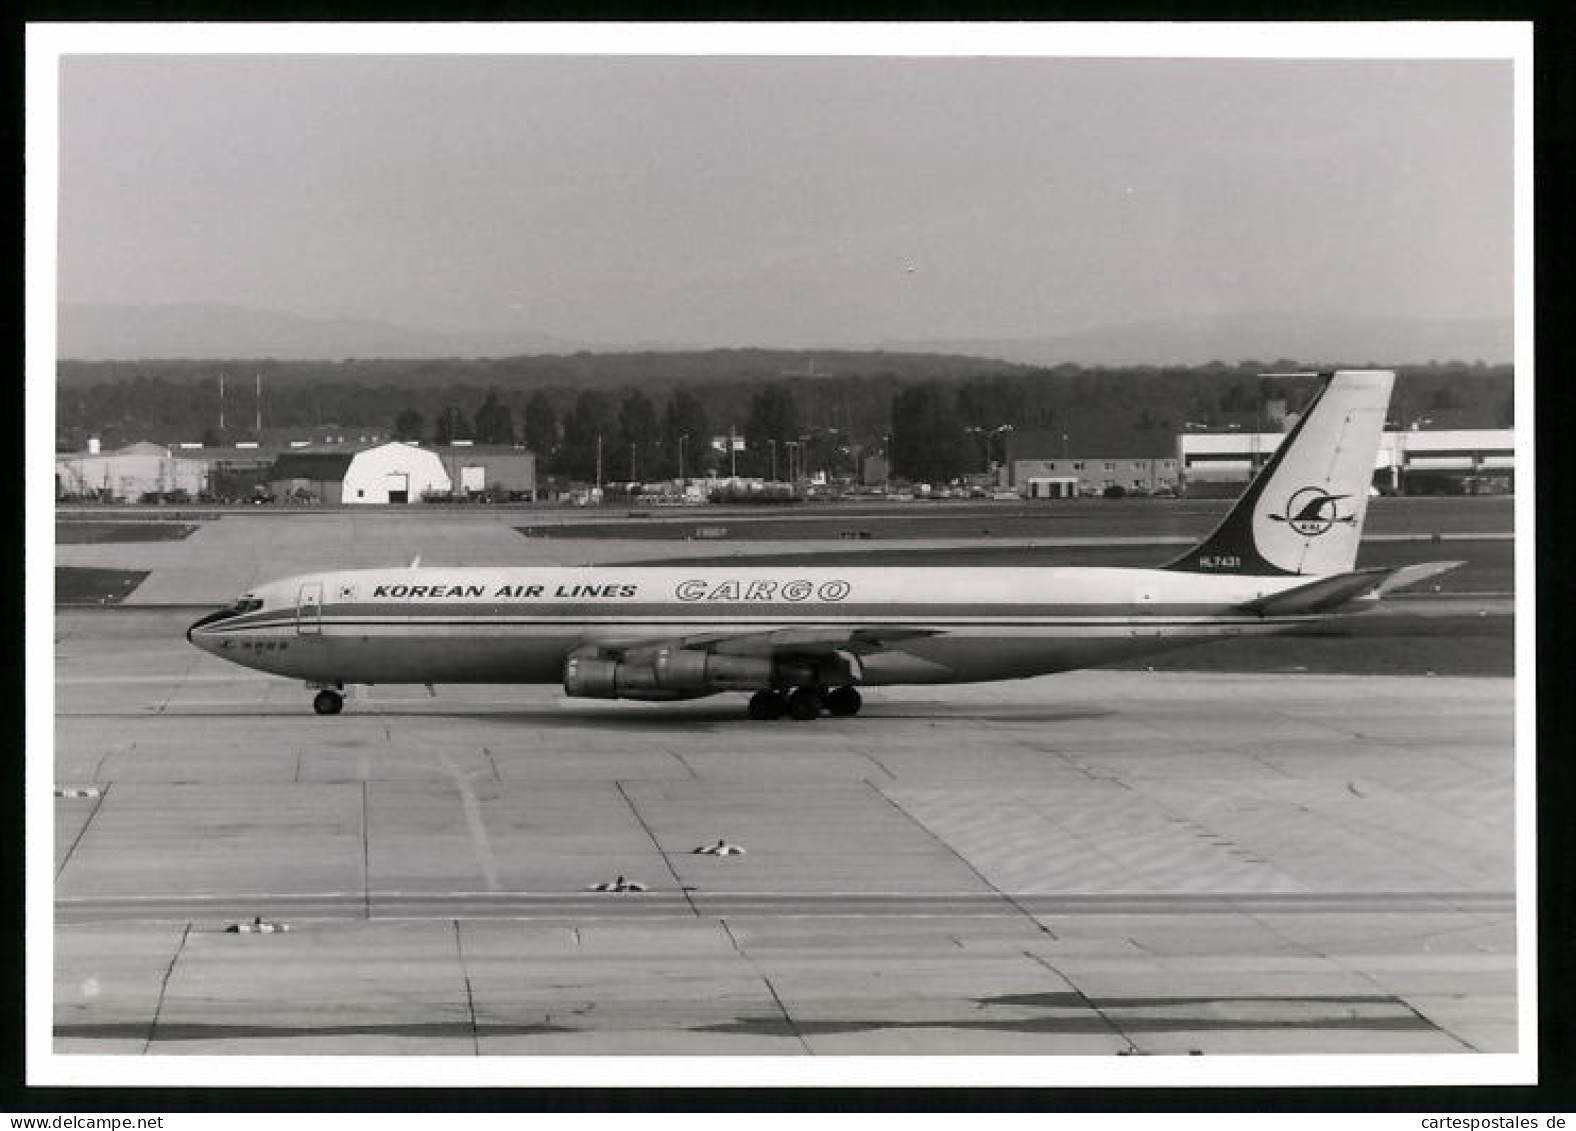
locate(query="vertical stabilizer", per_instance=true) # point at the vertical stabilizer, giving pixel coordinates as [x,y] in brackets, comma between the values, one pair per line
[1303,513]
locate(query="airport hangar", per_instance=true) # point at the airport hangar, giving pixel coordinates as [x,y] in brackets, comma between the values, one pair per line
[399,472]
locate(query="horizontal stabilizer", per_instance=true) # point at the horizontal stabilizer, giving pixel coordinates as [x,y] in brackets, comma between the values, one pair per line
[1330,593]
[1412,574]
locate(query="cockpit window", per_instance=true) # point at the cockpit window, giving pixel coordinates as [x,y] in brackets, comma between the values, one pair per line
[247,604]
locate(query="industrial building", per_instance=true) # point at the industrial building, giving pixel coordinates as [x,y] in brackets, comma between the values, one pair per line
[1086,462]
[131,474]
[496,472]
[1091,457]
[1413,459]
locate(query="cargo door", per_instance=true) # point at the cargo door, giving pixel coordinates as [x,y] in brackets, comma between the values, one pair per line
[398,484]
[309,609]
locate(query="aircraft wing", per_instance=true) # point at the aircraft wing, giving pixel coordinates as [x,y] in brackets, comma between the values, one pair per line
[801,640]
[810,640]
[1330,593]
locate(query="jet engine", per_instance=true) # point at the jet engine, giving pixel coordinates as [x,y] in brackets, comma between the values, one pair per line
[678,673]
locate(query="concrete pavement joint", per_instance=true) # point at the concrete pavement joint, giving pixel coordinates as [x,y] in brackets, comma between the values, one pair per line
[1315,952]
[164,985]
[470,998]
[1072,762]
[98,770]
[678,757]
[879,765]
[782,1007]
[98,804]
[366,853]
[1116,1030]
[667,862]
[1012,902]
[1426,1021]
[178,687]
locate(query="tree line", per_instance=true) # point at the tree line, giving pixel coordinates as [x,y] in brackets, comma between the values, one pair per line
[931,429]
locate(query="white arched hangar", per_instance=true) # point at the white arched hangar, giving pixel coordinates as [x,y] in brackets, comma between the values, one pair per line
[394,473]
[389,473]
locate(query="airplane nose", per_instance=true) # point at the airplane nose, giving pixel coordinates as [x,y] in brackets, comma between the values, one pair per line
[211,618]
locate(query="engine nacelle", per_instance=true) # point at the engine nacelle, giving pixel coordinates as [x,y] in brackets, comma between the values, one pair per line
[677,673]
[612,679]
[688,668]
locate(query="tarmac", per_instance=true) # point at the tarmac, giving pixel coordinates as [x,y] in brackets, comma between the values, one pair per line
[1094,864]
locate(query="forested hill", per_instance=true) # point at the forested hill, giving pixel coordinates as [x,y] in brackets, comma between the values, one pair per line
[850,401]
[528,373]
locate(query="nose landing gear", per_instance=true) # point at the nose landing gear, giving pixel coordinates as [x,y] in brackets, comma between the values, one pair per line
[328,702]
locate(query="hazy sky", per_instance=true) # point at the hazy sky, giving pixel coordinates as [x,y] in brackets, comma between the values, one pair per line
[786,201]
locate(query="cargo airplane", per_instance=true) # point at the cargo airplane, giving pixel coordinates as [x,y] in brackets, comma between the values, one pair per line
[804,640]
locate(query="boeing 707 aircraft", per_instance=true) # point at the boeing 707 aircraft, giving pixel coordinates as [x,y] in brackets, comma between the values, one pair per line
[803,641]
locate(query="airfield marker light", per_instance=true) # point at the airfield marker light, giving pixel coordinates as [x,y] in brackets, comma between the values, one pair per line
[618,885]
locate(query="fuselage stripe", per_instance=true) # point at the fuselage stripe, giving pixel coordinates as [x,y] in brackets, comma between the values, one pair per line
[743,626]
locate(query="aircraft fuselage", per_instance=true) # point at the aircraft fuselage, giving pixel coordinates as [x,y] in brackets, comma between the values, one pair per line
[936,625]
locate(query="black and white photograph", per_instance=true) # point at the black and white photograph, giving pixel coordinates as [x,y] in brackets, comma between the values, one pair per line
[797,555]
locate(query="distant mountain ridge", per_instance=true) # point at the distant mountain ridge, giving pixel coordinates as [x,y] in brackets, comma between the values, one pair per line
[1317,341]
[92,332]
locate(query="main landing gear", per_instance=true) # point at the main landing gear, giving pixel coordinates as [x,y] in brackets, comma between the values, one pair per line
[328,702]
[805,703]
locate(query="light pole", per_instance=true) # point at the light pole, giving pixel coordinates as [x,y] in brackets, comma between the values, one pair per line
[773,444]
[682,437]
[995,468]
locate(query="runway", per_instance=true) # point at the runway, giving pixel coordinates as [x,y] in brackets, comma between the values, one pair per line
[1094,864]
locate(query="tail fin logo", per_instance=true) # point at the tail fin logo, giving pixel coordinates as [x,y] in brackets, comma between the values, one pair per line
[1312,512]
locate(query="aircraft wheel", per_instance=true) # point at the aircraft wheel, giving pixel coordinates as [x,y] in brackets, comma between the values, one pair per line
[328,703]
[805,704]
[843,701]
[767,705]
